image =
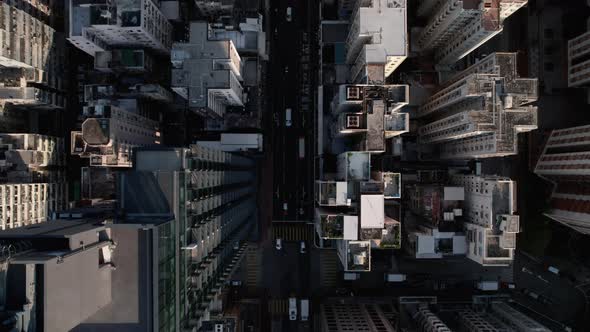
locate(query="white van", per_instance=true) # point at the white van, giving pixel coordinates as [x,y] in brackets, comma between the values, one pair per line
[302,247]
[288,121]
[292,308]
[279,244]
[304,306]
[289,14]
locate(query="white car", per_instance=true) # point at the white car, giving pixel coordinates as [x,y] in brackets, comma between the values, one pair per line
[279,244]
[289,14]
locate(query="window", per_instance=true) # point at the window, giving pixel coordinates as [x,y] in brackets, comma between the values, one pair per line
[548,33]
[549,66]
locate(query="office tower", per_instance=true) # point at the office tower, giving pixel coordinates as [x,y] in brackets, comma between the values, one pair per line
[377,41]
[480,111]
[578,61]
[565,163]
[207,72]
[31,56]
[209,196]
[457,27]
[32,179]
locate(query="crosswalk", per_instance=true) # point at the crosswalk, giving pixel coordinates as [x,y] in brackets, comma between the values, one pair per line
[278,306]
[330,270]
[253,266]
[292,231]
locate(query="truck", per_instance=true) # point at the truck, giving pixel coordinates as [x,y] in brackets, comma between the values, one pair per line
[351,276]
[301,147]
[487,285]
[292,308]
[304,306]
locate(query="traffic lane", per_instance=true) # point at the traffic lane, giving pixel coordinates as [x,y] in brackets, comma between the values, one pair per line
[559,298]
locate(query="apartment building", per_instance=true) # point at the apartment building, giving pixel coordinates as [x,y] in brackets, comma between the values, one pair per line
[479,112]
[377,41]
[565,163]
[32,58]
[371,114]
[363,314]
[33,184]
[98,26]
[212,9]
[432,315]
[578,59]
[207,73]
[351,211]
[110,131]
[457,27]
[210,198]
[489,222]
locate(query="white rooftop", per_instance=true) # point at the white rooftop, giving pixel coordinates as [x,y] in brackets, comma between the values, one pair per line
[372,211]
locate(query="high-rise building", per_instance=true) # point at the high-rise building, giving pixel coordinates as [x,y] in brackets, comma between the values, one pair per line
[371,114]
[207,72]
[213,9]
[377,41]
[479,112]
[98,25]
[351,207]
[490,224]
[566,163]
[363,314]
[457,27]
[578,58]
[31,56]
[485,314]
[65,262]
[32,179]
[112,128]
[210,195]
[160,264]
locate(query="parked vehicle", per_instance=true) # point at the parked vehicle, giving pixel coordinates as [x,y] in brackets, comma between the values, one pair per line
[279,244]
[487,285]
[289,14]
[395,277]
[292,308]
[302,249]
[304,306]
[288,121]
[301,147]
[351,276]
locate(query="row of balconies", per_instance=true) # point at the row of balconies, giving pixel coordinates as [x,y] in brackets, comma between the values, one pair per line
[205,154]
[210,178]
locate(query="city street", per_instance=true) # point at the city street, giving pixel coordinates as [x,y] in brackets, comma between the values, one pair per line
[293,184]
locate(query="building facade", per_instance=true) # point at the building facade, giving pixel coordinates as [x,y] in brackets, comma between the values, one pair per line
[210,195]
[479,112]
[565,162]
[578,56]
[32,179]
[95,26]
[32,58]
[457,27]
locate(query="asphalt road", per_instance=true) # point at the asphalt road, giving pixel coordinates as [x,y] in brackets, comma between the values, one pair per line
[286,273]
[292,176]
